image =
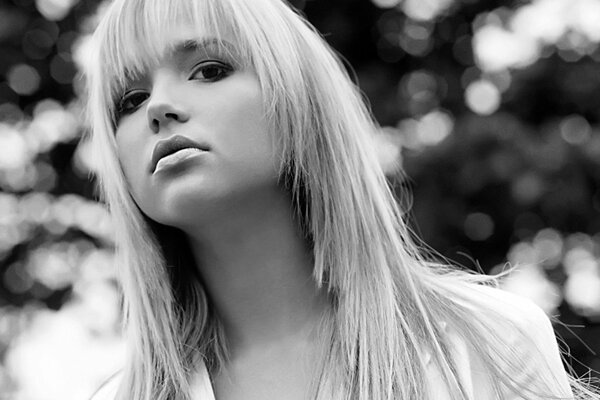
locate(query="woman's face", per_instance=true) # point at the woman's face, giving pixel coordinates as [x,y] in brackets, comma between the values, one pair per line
[201,116]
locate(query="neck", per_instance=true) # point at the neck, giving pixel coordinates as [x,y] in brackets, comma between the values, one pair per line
[257,269]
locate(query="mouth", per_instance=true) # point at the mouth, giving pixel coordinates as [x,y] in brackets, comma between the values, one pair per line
[173,150]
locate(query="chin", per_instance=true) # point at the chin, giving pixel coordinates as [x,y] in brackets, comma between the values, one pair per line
[196,200]
[191,207]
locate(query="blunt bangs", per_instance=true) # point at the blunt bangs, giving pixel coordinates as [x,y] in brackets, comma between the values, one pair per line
[135,34]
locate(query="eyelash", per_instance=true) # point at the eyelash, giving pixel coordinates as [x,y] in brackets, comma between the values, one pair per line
[122,109]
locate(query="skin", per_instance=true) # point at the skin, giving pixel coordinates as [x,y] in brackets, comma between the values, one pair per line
[254,262]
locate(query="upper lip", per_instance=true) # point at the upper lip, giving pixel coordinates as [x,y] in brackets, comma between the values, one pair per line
[171,145]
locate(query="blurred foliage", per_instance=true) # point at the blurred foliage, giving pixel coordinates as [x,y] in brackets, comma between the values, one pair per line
[490,108]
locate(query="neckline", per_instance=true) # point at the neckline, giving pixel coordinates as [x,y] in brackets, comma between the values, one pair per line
[202,387]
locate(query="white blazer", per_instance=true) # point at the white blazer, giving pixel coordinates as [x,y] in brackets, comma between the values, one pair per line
[470,368]
[525,314]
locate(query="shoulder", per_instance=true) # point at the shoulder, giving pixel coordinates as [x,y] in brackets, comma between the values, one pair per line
[518,311]
[108,390]
[520,324]
[524,339]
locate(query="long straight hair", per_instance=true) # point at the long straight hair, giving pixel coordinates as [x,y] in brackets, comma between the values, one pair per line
[390,303]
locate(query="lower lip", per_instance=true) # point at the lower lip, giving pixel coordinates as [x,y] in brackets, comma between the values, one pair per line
[177,158]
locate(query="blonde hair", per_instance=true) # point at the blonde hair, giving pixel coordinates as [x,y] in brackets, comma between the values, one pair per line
[388,298]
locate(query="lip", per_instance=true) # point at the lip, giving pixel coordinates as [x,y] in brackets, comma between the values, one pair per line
[171,145]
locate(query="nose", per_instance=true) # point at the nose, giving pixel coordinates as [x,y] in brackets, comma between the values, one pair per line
[165,106]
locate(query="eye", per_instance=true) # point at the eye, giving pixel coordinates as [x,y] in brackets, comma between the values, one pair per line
[211,71]
[131,101]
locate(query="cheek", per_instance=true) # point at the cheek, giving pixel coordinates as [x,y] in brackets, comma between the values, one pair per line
[130,153]
[244,131]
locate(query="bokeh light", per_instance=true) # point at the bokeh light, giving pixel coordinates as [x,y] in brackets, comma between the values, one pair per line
[479,226]
[569,25]
[14,152]
[575,130]
[57,346]
[483,97]
[62,69]
[386,3]
[55,10]
[23,79]
[428,130]
[425,10]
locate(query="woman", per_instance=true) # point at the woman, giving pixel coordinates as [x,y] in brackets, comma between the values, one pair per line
[263,255]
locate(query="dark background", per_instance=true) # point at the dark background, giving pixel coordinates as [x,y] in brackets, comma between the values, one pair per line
[489,108]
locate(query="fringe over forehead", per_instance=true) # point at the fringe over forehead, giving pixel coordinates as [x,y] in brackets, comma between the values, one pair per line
[133,35]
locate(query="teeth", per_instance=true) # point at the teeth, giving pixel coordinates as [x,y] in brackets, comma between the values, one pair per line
[176,157]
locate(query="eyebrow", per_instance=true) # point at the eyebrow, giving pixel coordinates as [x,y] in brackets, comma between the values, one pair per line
[188,46]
